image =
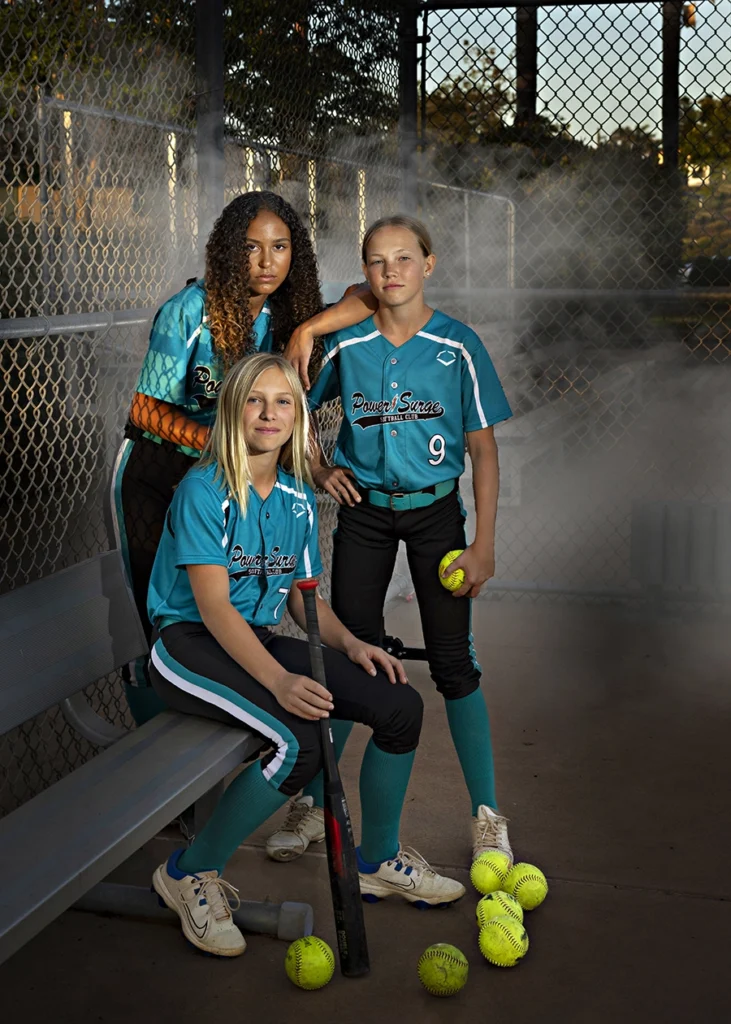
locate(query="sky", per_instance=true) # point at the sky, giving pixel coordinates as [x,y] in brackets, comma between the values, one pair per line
[599,67]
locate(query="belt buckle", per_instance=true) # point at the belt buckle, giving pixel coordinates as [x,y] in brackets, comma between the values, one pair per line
[398,494]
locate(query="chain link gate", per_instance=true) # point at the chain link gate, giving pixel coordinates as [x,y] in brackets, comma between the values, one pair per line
[108,192]
[605,299]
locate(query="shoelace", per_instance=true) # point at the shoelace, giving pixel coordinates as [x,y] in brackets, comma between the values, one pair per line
[413,859]
[489,829]
[218,894]
[295,815]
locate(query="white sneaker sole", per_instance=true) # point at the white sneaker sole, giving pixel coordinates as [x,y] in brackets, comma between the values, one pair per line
[163,892]
[285,853]
[371,893]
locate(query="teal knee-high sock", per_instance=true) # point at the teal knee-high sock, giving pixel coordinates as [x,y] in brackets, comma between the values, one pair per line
[340,731]
[469,724]
[245,805]
[383,781]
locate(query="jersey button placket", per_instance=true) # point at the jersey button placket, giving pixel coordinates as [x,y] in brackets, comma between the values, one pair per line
[266,547]
[390,388]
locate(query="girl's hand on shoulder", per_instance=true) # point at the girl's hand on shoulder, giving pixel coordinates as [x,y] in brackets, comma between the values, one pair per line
[360,289]
[372,658]
[338,482]
[298,352]
[302,696]
[478,566]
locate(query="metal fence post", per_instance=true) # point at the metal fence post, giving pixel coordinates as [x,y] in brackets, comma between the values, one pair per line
[67,205]
[672,11]
[526,63]
[47,299]
[209,73]
[408,105]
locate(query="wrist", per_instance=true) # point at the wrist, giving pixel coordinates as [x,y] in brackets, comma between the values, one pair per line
[304,332]
[309,328]
[273,680]
[319,464]
[484,545]
[346,642]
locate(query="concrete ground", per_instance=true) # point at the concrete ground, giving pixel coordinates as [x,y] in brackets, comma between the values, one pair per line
[611,741]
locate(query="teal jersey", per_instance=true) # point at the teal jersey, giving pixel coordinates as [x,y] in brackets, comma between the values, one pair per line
[180,366]
[406,409]
[264,550]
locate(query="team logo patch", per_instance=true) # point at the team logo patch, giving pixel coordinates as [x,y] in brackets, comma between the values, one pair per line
[272,564]
[398,409]
[207,387]
[299,509]
[446,357]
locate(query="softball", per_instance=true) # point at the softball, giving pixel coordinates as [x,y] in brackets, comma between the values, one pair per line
[455,580]
[498,904]
[443,969]
[503,941]
[528,884]
[309,963]
[488,872]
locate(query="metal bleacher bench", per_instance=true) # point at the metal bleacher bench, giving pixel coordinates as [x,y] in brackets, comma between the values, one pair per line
[58,636]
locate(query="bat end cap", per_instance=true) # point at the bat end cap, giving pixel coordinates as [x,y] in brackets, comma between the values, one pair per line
[307,584]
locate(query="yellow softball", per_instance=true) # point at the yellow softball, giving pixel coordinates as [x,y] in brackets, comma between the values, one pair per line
[498,904]
[503,941]
[309,963]
[455,579]
[528,884]
[443,969]
[488,871]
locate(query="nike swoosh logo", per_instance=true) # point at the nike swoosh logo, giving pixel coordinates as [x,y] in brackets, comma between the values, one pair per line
[410,884]
[196,927]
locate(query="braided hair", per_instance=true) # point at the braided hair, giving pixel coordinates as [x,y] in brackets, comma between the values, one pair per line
[227,280]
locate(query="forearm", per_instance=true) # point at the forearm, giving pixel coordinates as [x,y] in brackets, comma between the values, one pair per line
[346,313]
[166,421]
[486,486]
[332,631]
[241,643]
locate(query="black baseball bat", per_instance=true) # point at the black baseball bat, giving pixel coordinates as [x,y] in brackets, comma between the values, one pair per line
[341,861]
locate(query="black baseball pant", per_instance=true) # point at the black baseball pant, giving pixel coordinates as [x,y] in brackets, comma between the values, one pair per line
[192,673]
[365,545]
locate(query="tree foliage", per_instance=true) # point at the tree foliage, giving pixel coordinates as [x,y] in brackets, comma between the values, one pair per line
[472,138]
[705,131]
[296,71]
[311,69]
[602,215]
[705,148]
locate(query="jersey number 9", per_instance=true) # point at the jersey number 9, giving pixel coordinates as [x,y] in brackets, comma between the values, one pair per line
[437,448]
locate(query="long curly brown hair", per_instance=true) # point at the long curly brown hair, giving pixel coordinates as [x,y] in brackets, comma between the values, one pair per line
[227,280]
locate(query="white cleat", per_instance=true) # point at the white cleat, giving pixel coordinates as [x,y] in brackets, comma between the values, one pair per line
[489,833]
[303,825]
[203,906]
[409,876]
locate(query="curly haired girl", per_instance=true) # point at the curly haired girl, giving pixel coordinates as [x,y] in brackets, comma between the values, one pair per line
[261,282]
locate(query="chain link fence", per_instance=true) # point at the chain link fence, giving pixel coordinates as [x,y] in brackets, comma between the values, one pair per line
[613,343]
[595,270]
[103,217]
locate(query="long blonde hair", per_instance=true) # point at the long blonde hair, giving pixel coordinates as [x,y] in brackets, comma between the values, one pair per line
[226,446]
